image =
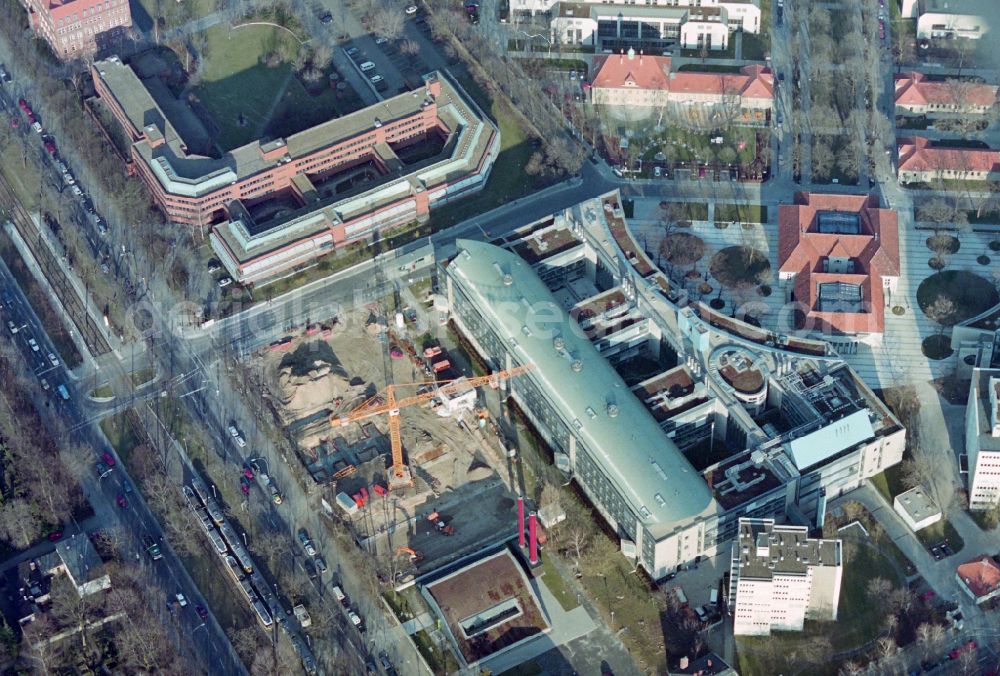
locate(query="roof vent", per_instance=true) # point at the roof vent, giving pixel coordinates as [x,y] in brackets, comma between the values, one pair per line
[613,410]
[559,342]
[577,365]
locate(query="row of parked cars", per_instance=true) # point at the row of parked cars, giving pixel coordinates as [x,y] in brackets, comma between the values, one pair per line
[367,68]
[49,142]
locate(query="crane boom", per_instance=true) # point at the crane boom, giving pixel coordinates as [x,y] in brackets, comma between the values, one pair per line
[389,404]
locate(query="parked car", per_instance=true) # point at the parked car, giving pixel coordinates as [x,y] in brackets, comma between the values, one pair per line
[37,126]
[376,79]
[202,612]
[53,359]
[180,599]
[327,18]
[50,146]
[411,9]
[12,327]
[356,620]
[76,190]
[321,564]
[122,501]
[366,66]
[381,40]
[352,52]
[34,344]
[102,470]
[224,282]
[45,385]
[306,542]
[108,459]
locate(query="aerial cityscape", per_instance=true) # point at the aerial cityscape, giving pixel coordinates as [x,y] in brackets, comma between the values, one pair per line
[500,337]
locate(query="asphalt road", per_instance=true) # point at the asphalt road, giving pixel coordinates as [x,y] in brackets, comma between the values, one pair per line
[205,641]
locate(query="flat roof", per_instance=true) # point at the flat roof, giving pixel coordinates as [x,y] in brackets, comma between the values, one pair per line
[916,503]
[646,467]
[766,550]
[831,439]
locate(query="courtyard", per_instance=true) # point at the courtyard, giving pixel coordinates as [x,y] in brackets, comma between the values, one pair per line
[254,91]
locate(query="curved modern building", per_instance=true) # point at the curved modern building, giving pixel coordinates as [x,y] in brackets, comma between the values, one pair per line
[630,469]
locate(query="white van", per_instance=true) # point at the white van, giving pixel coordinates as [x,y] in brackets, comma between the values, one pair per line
[339,595]
[713,597]
[681,596]
[367,66]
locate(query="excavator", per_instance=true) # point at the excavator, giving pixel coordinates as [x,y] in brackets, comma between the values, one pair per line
[414,555]
[387,402]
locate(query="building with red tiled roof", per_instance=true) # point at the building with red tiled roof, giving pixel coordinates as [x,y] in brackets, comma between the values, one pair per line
[916,95]
[922,161]
[79,28]
[636,80]
[979,578]
[838,256]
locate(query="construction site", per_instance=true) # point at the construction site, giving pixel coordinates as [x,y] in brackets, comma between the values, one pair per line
[396,434]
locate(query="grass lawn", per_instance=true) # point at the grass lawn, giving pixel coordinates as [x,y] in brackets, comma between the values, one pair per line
[982,519]
[21,180]
[686,145]
[970,293]
[857,619]
[743,213]
[177,13]
[709,68]
[727,53]
[143,376]
[235,83]
[508,180]
[440,661]
[557,585]
[611,584]
[102,392]
[942,531]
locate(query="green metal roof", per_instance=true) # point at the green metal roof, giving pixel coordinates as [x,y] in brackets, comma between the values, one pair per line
[643,463]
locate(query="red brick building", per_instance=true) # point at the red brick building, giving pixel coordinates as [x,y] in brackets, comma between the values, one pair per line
[78,28]
[838,256]
[397,159]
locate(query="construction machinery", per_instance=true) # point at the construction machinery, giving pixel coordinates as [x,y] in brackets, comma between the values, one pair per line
[414,555]
[440,525]
[388,402]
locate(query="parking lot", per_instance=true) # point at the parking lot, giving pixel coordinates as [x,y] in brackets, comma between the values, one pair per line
[396,66]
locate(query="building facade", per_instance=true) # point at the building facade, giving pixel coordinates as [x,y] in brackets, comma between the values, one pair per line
[780,577]
[982,439]
[631,79]
[916,95]
[401,157]
[948,19]
[654,28]
[78,28]
[739,14]
[920,160]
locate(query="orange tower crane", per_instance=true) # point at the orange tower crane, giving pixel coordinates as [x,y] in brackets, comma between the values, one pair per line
[388,402]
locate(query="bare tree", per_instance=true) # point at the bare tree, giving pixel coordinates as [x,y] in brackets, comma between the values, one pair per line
[942,311]
[878,589]
[822,160]
[937,211]
[387,22]
[848,161]
[682,249]
[19,523]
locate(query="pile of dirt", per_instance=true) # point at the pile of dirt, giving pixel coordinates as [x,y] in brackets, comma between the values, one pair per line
[303,391]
